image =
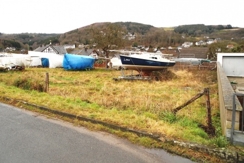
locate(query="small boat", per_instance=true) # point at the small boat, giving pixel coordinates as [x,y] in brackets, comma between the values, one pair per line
[145,63]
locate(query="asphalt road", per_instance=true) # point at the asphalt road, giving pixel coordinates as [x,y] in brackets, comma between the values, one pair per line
[27,137]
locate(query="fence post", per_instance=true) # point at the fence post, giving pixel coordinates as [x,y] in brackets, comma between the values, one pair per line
[47,82]
[211,129]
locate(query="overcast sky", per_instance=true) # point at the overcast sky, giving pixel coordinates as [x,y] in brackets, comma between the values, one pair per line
[60,16]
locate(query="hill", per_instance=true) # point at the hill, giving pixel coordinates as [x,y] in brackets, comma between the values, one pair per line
[83,35]
[135,34]
[26,40]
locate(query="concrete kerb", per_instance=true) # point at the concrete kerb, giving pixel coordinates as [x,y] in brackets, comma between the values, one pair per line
[71,116]
[223,153]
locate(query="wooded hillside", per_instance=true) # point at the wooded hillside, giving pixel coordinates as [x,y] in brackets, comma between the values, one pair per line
[134,34]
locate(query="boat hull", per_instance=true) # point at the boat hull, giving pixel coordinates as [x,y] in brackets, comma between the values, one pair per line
[141,64]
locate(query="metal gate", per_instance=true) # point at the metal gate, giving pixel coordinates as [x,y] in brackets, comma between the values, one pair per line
[240,98]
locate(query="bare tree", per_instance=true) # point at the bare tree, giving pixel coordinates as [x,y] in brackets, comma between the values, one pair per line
[108,36]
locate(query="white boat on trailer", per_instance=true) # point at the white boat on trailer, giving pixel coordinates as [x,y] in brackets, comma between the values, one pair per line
[144,63]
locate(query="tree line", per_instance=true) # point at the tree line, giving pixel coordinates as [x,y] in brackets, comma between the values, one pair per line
[199,29]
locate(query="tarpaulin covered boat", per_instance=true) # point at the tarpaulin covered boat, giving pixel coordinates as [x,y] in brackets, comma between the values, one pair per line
[11,61]
[78,62]
[50,60]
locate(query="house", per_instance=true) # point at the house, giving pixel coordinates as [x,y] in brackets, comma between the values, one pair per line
[230,46]
[130,36]
[51,49]
[187,44]
[200,43]
[81,46]
[69,46]
[210,41]
[10,49]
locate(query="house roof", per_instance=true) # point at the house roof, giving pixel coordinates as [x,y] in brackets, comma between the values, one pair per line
[193,52]
[85,52]
[57,49]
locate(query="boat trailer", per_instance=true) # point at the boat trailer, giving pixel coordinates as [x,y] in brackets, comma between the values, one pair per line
[124,76]
[133,77]
[142,75]
[10,67]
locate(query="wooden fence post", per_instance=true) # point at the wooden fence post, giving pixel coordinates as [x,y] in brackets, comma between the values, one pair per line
[47,82]
[211,129]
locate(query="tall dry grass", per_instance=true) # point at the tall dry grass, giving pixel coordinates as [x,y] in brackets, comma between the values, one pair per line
[141,105]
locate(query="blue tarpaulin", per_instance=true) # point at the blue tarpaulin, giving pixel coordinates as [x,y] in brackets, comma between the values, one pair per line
[77,62]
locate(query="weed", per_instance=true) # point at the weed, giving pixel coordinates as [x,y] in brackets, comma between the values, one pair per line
[219,141]
[168,116]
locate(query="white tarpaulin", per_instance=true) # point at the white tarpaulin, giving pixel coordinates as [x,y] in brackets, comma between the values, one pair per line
[55,60]
[32,59]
